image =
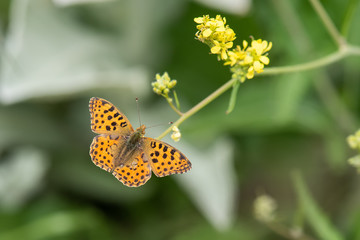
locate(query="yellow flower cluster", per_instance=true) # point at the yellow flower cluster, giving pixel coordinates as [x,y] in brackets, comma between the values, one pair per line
[355,162]
[250,59]
[216,34]
[219,37]
[163,84]
[265,208]
[354,143]
[354,140]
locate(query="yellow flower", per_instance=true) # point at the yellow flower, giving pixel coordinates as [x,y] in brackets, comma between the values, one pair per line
[355,162]
[354,143]
[176,135]
[250,74]
[221,48]
[250,59]
[256,54]
[236,56]
[354,140]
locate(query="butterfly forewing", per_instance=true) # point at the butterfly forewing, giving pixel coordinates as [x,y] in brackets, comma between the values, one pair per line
[164,158]
[107,119]
[135,174]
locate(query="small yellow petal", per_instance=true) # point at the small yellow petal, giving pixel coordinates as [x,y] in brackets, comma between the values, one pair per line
[224,56]
[207,32]
[199,20]
[264,60]
[216,49]
[264,44]
[258,48]
[220,28]
[248,59]
[258,67]
[268,47]
[229,45]
[250,73]
[245,44]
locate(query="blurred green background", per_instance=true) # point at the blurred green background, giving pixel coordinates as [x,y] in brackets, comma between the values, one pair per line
[57,54]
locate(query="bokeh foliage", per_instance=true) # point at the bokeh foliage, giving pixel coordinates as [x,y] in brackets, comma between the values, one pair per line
[54,58]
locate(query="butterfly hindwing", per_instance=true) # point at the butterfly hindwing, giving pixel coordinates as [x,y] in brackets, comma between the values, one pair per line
[136,173]
[107,119]
[102,151]
[164,158]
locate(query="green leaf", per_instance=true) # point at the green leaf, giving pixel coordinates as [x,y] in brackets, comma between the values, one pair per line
[317,219]
[57,224]
[234,93]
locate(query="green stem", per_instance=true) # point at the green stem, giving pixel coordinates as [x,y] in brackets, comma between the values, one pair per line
[326,60]
[286,233]
[169,100]
[334,104]
[289,17]
[199,106]
[313,213]
[176,100]
[349,14]
[329,25]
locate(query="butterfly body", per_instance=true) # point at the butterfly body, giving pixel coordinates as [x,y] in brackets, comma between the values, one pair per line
[128,148]
[126,153]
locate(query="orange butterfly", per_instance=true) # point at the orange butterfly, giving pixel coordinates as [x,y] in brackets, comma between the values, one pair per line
[127,153]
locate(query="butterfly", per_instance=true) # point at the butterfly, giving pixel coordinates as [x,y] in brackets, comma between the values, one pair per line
[126,153]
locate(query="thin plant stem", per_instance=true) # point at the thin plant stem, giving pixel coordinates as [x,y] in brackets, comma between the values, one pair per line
[324,61]
[335,106]
[328,23]
[169,100]
[199,106]
[286,233]
[294,28]
[176,100]
[349,14]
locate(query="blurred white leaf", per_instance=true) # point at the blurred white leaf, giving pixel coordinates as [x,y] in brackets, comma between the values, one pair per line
[21,175]
[49,54]
[237,7]
[211,182]
[65,3]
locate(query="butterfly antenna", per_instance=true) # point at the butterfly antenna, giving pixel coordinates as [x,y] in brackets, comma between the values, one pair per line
[160,124]
[137,105]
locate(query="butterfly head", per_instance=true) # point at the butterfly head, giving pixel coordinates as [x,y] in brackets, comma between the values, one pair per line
[141,130]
